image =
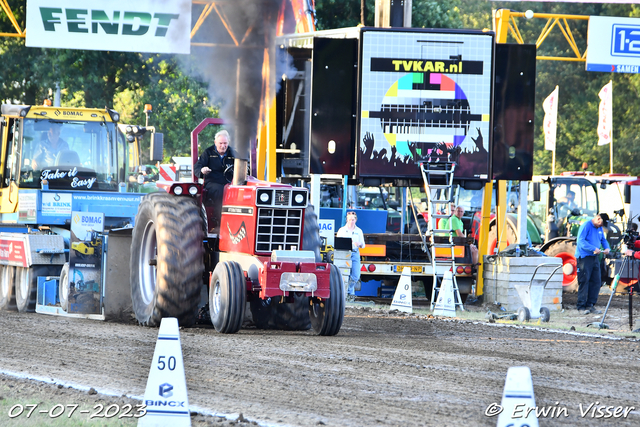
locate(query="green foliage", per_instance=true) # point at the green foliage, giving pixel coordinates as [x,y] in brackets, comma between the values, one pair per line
[179,103]
[127,81]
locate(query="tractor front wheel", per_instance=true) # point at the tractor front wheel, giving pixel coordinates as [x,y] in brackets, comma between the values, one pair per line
[327,313]
[166,259]
[227,297]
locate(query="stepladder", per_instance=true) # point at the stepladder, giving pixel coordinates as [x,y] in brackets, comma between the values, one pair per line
[438,173]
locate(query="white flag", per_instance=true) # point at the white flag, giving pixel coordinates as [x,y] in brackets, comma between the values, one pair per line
[605,120]
[550,124]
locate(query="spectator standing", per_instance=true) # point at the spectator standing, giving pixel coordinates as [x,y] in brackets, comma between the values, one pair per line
[357,241]
[590,241]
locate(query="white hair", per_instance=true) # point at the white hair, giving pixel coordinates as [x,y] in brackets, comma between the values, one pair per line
[222,132]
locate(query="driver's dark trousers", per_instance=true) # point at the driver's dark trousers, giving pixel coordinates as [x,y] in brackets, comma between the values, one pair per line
[589,281]
[215,193]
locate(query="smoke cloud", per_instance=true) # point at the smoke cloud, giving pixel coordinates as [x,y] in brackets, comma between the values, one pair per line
[234,38]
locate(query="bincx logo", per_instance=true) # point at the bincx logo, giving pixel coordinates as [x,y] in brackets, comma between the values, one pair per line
[166,390]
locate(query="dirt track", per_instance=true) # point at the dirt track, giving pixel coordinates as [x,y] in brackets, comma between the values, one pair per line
[382,369]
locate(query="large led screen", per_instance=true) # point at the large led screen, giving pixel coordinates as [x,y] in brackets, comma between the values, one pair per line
[421,88]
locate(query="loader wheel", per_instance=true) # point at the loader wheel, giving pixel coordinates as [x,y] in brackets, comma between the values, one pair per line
[227,297]
[63,287]
[7,294]
[566,251]
[327,314]
[166,260]
[26,285]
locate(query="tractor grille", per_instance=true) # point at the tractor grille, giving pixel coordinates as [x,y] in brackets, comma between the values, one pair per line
[278,229]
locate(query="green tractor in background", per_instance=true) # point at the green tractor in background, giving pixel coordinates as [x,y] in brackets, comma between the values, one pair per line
[557,206]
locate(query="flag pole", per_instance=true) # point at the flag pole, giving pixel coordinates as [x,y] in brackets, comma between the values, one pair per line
[611,130]
[611,155]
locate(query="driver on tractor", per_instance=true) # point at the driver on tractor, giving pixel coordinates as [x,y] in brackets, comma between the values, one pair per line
[216,165]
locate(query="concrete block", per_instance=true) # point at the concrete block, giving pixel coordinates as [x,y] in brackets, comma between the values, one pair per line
[501,276]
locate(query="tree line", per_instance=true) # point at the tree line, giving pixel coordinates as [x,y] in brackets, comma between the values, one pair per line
[181,99]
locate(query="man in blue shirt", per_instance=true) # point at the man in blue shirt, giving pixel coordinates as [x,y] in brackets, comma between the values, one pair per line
[590,240]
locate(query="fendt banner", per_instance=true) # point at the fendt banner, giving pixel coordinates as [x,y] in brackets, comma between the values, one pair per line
[140,26]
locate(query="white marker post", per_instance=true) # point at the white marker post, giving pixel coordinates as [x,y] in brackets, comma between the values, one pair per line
[518,402]
[166,392]
[402,297]
[445,304]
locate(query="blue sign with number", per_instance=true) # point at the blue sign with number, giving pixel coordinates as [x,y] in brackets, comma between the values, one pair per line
[625,40]
[613,44]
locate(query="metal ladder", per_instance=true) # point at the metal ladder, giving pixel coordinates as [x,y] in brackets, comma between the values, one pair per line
[438,185]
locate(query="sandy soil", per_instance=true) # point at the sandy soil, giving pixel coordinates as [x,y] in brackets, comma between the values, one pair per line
[382,369]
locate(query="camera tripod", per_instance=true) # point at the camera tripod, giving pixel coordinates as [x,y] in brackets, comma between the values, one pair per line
[614,285]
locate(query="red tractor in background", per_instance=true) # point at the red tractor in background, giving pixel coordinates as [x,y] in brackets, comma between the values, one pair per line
[266,254]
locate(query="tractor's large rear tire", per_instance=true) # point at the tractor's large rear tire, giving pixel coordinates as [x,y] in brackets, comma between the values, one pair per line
[294,316]
[26,285]
[166,259]
[327,314]
[262,313]
[290,316]
[227,297]
[7,293]
[566,251]
[311,234]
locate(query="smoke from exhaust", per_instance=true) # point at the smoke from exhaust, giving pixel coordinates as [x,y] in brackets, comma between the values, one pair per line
[233,66]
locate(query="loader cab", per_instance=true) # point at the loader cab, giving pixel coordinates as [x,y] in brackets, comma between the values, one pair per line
[62,149]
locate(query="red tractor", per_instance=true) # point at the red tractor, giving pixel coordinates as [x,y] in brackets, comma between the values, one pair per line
[266,255]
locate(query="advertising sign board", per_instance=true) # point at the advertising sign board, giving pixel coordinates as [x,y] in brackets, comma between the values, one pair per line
[421,88]
[140,26]
[85,262]
[613,44]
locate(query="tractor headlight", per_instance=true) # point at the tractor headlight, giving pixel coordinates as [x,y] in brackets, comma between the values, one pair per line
[193,190]
[177,190]
[140,179]
[265,197]
[299,198]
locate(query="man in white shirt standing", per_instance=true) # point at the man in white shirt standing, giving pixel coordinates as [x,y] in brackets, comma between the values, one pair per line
[357,241]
